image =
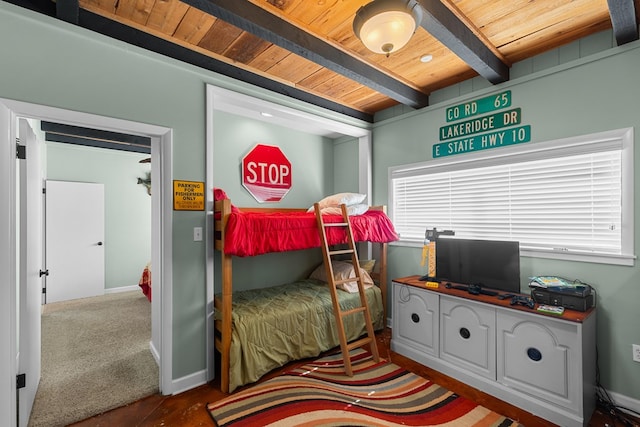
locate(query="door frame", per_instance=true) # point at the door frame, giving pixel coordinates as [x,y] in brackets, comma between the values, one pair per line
[161,236]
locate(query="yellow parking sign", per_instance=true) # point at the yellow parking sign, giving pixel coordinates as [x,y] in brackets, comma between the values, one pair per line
[188,196]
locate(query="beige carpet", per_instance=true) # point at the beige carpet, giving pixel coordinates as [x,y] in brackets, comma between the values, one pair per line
[95,357]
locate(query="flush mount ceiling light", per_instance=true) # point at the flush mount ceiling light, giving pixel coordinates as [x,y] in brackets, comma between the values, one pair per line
[385,26]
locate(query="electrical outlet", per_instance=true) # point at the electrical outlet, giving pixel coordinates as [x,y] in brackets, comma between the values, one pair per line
[636,352]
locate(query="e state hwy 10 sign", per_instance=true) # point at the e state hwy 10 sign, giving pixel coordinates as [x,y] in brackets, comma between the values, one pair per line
[266,173]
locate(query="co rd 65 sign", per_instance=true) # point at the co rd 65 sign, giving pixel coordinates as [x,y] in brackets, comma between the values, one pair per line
[266,173]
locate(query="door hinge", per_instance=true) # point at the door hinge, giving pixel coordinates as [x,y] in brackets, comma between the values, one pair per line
[44,290]
[21,152]
[21,381]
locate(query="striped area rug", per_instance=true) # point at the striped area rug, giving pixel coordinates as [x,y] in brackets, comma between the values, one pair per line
[378,394]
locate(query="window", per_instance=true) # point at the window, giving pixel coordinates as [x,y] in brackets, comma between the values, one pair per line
[567,199]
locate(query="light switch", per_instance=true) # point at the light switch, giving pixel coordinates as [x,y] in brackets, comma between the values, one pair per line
[197,234]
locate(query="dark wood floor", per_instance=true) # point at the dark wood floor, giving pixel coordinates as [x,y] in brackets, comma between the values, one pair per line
[188,409]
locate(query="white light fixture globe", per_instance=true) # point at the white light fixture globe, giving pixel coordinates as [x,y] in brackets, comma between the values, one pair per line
[385,26]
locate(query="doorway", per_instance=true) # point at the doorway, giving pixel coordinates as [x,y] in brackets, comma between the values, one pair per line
[92,295]
[161,149]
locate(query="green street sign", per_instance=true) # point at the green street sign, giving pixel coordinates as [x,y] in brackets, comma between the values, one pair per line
[485,141]
[479,106]
[481,124]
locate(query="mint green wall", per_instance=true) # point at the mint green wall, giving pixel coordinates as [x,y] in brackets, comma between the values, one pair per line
[127,204]
[568,92]
[46,61]
[345,161]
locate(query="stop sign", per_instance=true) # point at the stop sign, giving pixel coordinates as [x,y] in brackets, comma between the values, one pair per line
[266,173]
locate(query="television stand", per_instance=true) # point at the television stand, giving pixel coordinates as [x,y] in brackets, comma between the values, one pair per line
[473,289]
[537,361]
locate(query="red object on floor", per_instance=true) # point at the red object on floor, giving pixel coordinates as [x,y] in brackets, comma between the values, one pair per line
[145,282]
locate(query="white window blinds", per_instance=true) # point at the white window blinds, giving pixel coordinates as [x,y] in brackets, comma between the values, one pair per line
[551,197]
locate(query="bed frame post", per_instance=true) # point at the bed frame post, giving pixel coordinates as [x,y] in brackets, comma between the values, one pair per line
[227,293]
[223,344]
[382,262]
[383,279]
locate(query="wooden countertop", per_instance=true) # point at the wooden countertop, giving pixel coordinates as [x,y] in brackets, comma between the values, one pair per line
[570,315]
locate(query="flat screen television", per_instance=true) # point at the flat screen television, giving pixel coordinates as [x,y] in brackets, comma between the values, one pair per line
[493,264]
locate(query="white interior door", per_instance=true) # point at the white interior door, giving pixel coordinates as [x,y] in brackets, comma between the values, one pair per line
[30,265]
[74,240]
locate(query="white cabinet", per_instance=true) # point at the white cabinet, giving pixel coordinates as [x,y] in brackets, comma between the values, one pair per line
[417,322]
[544,365]
[468,335]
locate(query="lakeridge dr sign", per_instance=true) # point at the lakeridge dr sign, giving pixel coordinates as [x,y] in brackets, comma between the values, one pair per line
[481,124]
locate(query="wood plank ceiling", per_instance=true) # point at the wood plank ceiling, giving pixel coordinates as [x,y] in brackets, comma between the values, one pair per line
[307,48]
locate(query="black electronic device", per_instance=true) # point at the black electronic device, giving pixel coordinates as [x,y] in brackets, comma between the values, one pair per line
[473,289]
[427,278]
[559,299]
[494,263]
[522,300]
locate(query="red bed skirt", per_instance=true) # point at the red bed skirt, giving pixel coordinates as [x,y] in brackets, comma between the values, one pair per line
[250,234]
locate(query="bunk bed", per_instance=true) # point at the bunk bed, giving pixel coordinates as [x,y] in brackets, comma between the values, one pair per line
[250,344]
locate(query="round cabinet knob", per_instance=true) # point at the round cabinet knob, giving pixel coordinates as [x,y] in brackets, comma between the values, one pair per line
[99,243]
[534,354]
[415,318]
[464,333]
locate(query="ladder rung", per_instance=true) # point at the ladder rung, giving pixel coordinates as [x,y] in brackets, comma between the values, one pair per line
[336,224]
[352,311]
[341,252]
[359,343]
[348,280]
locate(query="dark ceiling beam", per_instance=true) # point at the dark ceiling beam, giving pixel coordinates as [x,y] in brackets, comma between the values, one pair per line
[445,26]
[41,6]
[87,142]
[267,26]
[89,133]
[624,21]
[68,10]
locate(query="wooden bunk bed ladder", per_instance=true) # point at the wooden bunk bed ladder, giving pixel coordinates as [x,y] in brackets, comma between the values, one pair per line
[340,314]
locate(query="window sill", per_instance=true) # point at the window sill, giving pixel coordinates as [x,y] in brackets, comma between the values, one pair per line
[624,260]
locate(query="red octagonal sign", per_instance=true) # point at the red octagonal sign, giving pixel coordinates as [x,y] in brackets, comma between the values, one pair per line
[266,173]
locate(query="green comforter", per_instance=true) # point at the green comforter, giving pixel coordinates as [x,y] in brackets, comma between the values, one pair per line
[273,326]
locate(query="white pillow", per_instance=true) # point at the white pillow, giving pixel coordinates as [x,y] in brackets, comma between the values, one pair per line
[341,199]
[342,270]
[358,209]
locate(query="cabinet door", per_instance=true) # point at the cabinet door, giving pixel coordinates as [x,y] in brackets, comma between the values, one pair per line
[540,356]
[467,336]
[415,318]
